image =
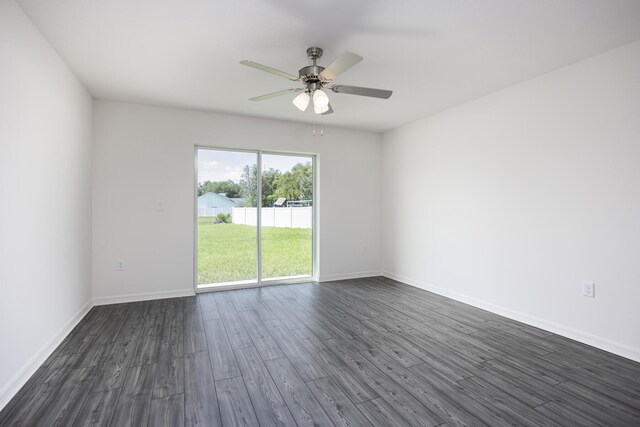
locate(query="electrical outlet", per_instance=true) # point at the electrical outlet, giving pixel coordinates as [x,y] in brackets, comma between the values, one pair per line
[589,289]
[120,265]
[159,206]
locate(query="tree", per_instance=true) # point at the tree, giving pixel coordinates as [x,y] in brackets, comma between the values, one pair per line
[249,187]
[228,188]
[296,184]
[269,182]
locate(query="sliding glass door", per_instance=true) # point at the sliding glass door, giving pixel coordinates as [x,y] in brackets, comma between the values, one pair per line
[287,217]
[255,217]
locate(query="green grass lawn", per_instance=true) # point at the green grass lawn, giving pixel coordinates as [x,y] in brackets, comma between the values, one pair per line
[227,252]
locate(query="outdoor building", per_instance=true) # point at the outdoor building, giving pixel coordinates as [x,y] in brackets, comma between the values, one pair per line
[211,204]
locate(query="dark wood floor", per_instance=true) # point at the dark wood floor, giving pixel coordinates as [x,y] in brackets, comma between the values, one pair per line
[355,353]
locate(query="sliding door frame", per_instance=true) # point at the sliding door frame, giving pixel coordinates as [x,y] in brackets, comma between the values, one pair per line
[314,221]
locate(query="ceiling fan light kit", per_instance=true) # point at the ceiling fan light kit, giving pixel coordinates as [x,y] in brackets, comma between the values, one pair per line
[314,78]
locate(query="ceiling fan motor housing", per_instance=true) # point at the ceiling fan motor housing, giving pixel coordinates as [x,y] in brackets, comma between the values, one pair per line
[310,75]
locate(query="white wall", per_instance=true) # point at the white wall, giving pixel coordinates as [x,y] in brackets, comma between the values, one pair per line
[524,194]
[143,154]
[45,199]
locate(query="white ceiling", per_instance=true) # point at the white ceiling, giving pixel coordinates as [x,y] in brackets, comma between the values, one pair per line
[433,54]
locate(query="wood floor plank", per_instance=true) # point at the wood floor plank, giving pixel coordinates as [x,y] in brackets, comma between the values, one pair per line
[172,338]
[113,371]
[167,412]
[563,415]
[437,356]
[269,405]
[536,388]
[535,367]
[235,405]
[27,411]
[473,348]
[224,302]
[456,324]
[200,400]
[397,397]
[618,403]
[287,316]
[68,400]
[381,414]
[303,362]
[480,409]
[302,404]
[262,339]
[237,333]
[512,411]
[169,378]
[134,401]
[515,387]
[208,306]
[354,386]
[443,403]
[99,350]
[223,361]
[394,350]
[25,389]
[337,404]
[194,338]
[147,350]
[594,355]
[98,408]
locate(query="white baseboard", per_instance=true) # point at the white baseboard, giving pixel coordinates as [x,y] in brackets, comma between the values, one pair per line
[357,275]
[556,328]
[117,299]
[13,386]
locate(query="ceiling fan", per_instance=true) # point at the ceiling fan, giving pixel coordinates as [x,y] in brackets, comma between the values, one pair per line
[315,78]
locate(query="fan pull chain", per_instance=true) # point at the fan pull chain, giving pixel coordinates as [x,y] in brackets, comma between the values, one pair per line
[314,129]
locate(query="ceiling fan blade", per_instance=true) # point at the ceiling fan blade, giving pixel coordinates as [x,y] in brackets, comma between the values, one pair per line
[363,91]
[270,70]
[329,111]
[274,94]
[340,65]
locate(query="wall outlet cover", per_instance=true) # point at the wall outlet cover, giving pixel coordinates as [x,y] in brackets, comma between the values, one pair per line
[589,289]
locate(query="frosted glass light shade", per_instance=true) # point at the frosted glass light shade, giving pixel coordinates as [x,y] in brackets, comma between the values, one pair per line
[302,101]
[320,99]
[320,110]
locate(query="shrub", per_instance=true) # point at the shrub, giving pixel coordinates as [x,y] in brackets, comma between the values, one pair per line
[222,218]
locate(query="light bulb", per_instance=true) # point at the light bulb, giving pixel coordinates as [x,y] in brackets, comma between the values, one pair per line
[301,101]
[320,99]
[320,110]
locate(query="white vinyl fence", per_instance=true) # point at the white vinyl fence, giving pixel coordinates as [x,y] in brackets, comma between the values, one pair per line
[204,211]
[290,217]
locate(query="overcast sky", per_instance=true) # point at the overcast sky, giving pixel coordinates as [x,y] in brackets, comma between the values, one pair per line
[220,165]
